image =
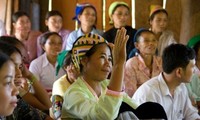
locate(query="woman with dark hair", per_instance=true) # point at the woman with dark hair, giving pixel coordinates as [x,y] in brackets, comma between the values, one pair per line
[54,23]
[22,31]
[92,96]
[60,86]
[119,13]
[44,67]
[25,109]
[158,20]
[8,90]
[145,64]
[86,15]
[39,98]
[19,45]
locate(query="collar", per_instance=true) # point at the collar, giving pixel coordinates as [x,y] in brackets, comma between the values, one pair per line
[45,61]
[79,32]
[164,88]
[142,64]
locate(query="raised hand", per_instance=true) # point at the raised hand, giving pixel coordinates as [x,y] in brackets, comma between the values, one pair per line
[119,50]
[119,59]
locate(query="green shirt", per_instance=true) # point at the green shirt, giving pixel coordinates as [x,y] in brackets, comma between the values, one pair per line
[80,102]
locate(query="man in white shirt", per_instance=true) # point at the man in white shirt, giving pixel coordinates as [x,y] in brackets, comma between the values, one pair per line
[168,88]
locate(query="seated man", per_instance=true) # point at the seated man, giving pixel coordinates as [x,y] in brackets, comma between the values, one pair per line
[168,88]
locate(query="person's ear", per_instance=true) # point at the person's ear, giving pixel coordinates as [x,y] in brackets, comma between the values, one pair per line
[46,22]
[79,17]
[150,22]
[179,72]
[43,47]
[136,45]
[84,61]
[14,24]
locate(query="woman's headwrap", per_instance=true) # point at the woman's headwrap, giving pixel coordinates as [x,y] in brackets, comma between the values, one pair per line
[60,59]
[193,41]
[84,44]
[113,7]
[154,8]
[80,8]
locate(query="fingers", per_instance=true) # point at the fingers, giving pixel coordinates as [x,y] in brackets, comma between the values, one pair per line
[121,37]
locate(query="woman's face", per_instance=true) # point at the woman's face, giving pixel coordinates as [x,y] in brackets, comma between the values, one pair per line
[88,17]
[54,23]
[120,16]
[22,25]
[17,59]
[159,22]
[147,44]
[53,45]
[8,90]
[98,66]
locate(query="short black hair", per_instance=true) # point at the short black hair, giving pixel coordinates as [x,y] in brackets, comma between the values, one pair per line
[176,55]
[19,14]
[43,39]
[8,49]
[3,58]
[53,13]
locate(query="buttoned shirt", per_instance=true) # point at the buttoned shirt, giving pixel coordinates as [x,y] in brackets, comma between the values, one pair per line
[177,107]
[45,72]
[136,72]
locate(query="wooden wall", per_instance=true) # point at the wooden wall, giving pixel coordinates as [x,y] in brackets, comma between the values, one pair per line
[184,15]
[178,15]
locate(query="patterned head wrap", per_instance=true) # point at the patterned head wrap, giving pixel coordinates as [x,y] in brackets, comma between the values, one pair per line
[113,7]
[84,44]
[154,8]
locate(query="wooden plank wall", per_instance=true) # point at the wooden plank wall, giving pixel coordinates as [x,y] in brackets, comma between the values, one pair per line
[184,15]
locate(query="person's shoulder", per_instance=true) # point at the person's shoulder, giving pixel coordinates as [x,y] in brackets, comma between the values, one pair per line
[151,84]
[38,61]
[35,33]
[130,28]
[73,33]
[64,31]
[97,31]
[133,60]
[61,80]
[168,33]
[111,30]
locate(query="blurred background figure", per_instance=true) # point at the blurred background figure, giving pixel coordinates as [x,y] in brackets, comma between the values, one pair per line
[158,20]
[86,15]
[119,13]
[22,31]
[54,23]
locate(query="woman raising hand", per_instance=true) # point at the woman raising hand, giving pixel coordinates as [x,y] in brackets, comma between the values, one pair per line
[92,96]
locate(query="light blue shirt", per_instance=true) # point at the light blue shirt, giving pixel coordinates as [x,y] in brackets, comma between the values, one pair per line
[76,34]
